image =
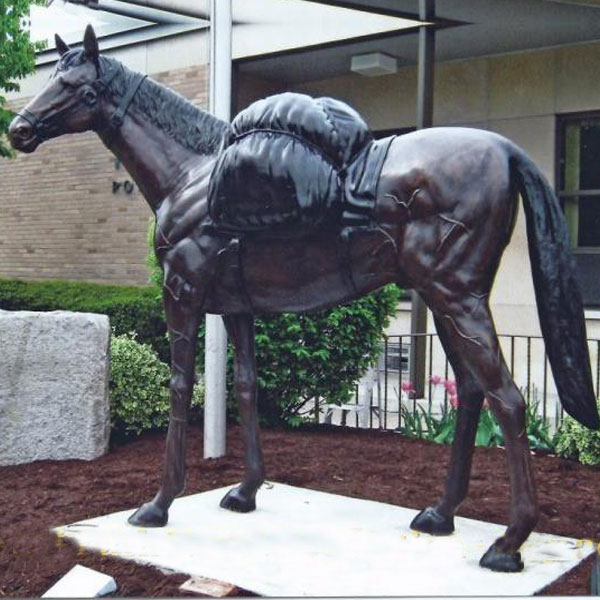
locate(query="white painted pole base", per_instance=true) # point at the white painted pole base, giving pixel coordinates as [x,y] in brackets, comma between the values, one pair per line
[215,406]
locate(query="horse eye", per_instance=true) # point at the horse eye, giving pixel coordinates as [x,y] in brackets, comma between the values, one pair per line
[90,97]
[66,84]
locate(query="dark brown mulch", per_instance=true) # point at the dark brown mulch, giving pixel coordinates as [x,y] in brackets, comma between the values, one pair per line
[365,464]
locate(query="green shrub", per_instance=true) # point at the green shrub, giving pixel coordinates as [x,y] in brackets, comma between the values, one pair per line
[129,308]
[155,271]
[139,393]
[573,440]
[318,355]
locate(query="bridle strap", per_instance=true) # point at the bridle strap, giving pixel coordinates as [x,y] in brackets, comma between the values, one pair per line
[42,127]
[116,119]
[29,117]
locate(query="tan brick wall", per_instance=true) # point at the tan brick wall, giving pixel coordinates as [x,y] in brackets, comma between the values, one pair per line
[59,218]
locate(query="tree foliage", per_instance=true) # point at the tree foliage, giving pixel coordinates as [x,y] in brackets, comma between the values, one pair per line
[17,55]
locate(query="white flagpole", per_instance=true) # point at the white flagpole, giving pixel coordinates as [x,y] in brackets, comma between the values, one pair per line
[215,357]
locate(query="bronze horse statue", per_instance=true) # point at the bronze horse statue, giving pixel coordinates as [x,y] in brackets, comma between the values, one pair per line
[443,212]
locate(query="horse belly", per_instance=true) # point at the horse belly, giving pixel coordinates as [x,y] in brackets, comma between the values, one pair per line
[300,275]
[296,276]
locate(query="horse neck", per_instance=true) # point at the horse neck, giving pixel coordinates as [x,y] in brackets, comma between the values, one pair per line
[156,161]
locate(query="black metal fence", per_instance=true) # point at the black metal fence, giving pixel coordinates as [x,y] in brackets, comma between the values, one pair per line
[385,395]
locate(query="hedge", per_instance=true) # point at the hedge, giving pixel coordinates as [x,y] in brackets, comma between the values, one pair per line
[129,308]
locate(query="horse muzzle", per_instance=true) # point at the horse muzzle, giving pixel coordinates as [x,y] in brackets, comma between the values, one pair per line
[22,135]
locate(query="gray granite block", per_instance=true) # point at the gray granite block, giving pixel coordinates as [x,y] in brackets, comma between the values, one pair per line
[54,371]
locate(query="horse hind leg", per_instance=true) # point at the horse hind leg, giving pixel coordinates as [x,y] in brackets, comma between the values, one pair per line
[439,519]
[474,337]
[508,406]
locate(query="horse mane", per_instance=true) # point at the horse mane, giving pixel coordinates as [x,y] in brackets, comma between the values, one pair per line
[185,122]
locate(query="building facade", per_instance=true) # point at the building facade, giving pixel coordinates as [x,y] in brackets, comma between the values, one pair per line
[70,212]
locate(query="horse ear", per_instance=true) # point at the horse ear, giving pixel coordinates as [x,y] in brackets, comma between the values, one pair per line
[61,46]
[90,43]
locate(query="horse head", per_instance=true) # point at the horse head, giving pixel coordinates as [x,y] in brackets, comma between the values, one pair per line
[72,101]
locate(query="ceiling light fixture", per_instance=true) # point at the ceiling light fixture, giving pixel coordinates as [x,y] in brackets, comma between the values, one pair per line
[373,64]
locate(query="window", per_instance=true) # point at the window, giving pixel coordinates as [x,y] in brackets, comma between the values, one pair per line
[396,359]
[579,177]
[578,183]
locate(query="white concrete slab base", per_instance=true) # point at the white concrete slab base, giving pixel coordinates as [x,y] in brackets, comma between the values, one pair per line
[81,582]
[301,542]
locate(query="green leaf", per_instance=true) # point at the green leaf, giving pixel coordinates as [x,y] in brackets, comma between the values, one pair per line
[17,54]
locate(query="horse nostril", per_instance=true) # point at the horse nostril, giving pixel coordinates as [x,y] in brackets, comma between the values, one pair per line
[20,129]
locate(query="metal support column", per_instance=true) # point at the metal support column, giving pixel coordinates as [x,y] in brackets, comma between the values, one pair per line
[425,73]
[426,65]
[215,357]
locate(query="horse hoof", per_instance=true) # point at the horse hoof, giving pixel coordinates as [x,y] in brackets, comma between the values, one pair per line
[149,515]
[237,502]
[501,561]
[430,521]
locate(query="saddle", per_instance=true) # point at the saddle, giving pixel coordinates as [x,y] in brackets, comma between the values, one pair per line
[293,164]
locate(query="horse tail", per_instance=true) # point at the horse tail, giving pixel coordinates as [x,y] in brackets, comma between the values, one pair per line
[557,293]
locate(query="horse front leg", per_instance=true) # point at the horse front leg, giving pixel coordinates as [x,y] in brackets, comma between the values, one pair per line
[240,329]
[183,322]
